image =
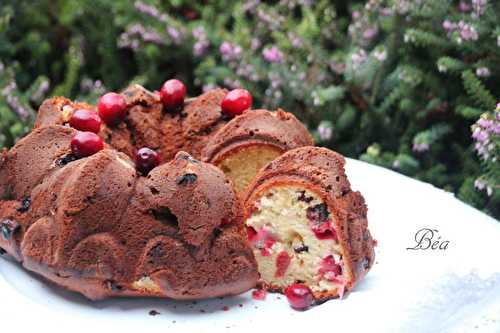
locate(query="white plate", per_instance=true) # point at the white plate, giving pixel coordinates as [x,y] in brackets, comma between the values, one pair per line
[452,290]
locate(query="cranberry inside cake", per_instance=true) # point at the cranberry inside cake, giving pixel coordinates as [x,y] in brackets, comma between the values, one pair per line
[307,228]
[293,236]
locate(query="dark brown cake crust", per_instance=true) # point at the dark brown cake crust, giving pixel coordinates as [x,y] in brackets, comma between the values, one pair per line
[279,129]
[94,226]
[321,171]
[147,124]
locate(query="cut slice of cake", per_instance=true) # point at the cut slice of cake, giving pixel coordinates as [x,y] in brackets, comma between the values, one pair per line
[307,228]
[250,141]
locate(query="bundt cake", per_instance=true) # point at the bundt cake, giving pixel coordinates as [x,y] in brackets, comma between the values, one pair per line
[153,194]
[96,227]
[307,228]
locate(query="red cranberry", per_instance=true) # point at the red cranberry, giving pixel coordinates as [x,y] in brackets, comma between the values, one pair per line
[261,239]
[251,233]
[172,94]
[259,294]
[112,108]
[86,143]
[236,101]
[329,268]
[282,262]
[86,120]
[324,231]
[226,221]
[299,296]
[146,160]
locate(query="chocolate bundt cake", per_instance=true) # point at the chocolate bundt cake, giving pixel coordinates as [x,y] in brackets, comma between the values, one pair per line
[306,226]
[93,225]
[150,196]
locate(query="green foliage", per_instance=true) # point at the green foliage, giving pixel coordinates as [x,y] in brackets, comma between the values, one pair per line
[394,82]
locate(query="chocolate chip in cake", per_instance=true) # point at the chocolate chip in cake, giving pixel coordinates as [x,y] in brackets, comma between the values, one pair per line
[188,178]
[25,205]
[68,158]
[318,213]
[9,227]
[304,198]
[302,248]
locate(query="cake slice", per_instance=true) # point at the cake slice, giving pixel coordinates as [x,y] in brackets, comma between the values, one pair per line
[307,228]
[252,140]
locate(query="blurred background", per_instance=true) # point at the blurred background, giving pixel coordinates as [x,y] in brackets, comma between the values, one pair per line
[411,85]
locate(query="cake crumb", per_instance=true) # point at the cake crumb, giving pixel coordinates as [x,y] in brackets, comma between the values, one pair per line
[259,294]
[153,313]
[225,308]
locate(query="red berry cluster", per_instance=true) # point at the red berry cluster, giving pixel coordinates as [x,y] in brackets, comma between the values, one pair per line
[86,142]
[112,110]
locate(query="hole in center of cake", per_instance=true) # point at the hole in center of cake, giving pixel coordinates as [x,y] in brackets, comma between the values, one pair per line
[293,236]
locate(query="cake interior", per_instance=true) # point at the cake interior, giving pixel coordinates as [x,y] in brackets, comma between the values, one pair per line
[294,240]
[242,165]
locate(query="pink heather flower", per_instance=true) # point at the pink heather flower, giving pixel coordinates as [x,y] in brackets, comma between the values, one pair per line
[479,184]
[480,135]
[464,7]
[250,5]
[370,33]
[325,131]
[272,54]
[13,100]
[449,26]
[202,43]
[174,34]
[230,51]
[479,7]
[420,147]
[254,44]
[146,9]
[485,123]
[199,32]
[467,31]
[380,54]
[337,67]
[358,59]
[483,72]
[386,11]
[200,47]
[152,37]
